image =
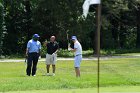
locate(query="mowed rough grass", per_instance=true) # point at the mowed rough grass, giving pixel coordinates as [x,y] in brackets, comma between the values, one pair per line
[116,75]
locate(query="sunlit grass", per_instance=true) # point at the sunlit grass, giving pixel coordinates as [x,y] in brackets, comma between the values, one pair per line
[114,73]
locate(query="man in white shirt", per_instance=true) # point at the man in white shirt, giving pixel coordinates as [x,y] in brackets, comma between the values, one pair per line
[78,55]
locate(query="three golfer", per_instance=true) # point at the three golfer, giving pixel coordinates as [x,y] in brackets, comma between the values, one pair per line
[78,55]
[51,56]
[32,54]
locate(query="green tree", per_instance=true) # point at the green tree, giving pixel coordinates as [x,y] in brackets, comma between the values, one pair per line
[119,24]
[1,27]
[20,19]
[15,21]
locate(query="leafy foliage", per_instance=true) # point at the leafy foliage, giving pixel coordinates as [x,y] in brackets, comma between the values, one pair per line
[23,18]
[1,27]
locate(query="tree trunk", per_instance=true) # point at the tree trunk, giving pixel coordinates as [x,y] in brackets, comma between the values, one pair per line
[138,27]
[28,18]
[115,32]
[1,26]
[122,36]
[95,42]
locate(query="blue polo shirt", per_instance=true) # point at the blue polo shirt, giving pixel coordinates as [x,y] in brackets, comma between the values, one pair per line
[33,46]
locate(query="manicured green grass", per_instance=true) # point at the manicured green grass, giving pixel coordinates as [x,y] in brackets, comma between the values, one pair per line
[124,89]
[117,75]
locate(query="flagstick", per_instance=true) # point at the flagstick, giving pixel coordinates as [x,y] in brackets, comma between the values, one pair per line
[86,5]
[98,45]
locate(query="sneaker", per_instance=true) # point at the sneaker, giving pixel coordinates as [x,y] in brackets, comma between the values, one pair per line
[34,75]
[53,74]
[48,74]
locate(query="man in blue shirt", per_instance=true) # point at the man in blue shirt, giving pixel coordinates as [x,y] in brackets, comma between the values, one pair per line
[33,53]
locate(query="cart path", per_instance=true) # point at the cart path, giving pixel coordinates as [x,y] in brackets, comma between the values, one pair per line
[61,58]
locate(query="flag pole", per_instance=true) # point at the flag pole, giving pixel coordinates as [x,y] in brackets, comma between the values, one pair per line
[98,45]
[86,5]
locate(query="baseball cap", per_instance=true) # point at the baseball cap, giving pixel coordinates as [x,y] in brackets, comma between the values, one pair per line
[73,38]
[36,36]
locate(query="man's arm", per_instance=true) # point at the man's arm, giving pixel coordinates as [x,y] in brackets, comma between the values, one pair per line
[27,50]
[73,50]
[40,50]
[57,49]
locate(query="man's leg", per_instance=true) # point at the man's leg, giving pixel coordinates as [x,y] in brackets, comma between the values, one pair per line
[29,64]
[48,64]
[48,68]
[77,71]
[54,59]
[53,67]
[35,61]
[77,62]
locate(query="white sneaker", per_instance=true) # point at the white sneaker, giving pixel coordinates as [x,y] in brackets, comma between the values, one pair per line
[53,74]
[48,74]
[34,75]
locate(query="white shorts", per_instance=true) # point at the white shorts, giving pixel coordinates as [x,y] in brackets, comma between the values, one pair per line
[77,60]
[51,59]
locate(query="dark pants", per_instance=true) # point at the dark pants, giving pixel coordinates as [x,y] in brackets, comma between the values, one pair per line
[32,63]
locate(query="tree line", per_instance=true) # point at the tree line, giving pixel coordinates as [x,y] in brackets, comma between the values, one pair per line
[20,19]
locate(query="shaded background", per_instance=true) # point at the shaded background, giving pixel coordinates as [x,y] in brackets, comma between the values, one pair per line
[20,19]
